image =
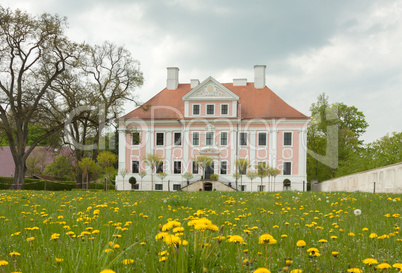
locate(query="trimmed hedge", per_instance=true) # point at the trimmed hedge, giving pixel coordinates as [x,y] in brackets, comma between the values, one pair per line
[37,184]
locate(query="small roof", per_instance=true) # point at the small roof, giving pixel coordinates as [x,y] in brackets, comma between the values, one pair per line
[255,103]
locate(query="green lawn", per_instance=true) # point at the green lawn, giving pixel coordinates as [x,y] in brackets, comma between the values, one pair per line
[92,231]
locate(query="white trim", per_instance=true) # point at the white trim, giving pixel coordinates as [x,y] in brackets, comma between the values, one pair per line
[206,109]
[207,81]
[186,108]
[234,108]
[192,109]
[220,138]
[283,139]
[122,149]
[222,104]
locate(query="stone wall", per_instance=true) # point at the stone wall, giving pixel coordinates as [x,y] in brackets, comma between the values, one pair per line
[386,179]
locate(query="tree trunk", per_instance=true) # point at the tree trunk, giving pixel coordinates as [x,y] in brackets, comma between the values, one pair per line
[19,174]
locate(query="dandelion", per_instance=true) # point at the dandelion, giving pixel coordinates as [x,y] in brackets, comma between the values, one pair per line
[357,212]
[370,261]
[3,263]
[127,261]
[301,243]
[355,270]
[267,239]
[261,270]
[296,271]
[30,239]
[59,260]
[237,239]
[55,236]
[107,271]
[383,266]
[313,252]
[335,253]
[14,253]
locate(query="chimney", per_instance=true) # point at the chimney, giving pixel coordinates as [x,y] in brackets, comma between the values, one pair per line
[194,83]
[172,78]
[259,76]
[239,82]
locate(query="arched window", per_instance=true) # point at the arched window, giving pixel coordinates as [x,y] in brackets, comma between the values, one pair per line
[286,184]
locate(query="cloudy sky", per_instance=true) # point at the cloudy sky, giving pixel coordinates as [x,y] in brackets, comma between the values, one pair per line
[349,49]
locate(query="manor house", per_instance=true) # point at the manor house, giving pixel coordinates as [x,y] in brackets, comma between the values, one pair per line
[224,121]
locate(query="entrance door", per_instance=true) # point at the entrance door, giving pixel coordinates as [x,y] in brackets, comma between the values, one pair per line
[207,186]
[208,171]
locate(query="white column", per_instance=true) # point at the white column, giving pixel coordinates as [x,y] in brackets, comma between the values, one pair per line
[302,152]
[253,146]
[122,148]
[168,155]
[273,147]
[233,138]
[185,145]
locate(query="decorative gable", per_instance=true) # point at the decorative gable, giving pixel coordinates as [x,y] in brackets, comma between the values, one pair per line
[210,89]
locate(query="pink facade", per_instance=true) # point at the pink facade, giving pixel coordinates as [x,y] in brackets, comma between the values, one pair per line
[223,121]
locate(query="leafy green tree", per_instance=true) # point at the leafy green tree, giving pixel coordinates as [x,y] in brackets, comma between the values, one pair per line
[273,172]
[203,162]
[236,177]
[34,52]
[188,176]
[88,168]
[242,164]
[252,175]
[153,161]
[262,171]
[107,160]
[61,168]
[333,136]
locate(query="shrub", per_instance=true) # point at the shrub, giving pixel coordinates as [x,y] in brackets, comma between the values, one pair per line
[214,176]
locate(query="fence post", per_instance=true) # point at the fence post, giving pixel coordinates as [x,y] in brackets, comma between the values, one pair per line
[374,188]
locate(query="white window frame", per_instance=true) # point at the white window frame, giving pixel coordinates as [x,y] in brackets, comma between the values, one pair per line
[192,138]
[132,163]
[266,139]
[206,109]
[181,167]
[213,138]
[220,167]
[283,167]
[291,145]
[199,109]
[227,138]
[181,139]
[240,133]
[139,138]
[227,109]
[156,138]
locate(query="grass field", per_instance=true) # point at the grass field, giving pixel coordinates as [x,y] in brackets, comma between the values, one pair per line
[199,232]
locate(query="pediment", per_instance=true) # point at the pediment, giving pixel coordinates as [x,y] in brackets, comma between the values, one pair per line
[210,89]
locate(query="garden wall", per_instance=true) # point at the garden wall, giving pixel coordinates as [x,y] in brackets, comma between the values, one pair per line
[386,179]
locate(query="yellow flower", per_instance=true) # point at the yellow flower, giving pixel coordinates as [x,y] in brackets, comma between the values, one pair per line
[284,236]
[301,243]
[398,265]
[267,239]
[116,246]
[14,254]
[59,260]
[261,270]
[30,239]
[237,239]
[288,262]
[55,236]
[351,234]
[373,235]
[127,261]
[370,261]
[355,270]
[3,263]
[296,271]
[383,266]
[322,241]
[107,271]
[335,253]
[314,252]
[162,259]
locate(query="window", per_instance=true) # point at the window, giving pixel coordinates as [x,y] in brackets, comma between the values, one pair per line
[177,167]
[243,169]
[135,138]
[159,168]
[243,139]
[176,187]
[224,167]
[243,187]
[287,168]
[159,139]
[135,186]
[177,139]
[224,138]
[262,139]
[158,187]
[224,109]
[210,109]
[260,188]
[196,138]
[195,168]
[209,138]
[196,109]
[287,139]
[135,167]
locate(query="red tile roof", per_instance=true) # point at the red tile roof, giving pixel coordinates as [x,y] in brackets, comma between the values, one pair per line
[254,103]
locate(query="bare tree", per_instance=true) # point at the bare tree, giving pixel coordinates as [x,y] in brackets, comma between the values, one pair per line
[34,52]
